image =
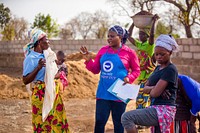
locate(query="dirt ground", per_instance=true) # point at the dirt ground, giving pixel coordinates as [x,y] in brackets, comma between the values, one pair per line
[79,99]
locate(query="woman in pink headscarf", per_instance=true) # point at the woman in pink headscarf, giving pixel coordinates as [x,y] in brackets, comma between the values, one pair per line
[48,113]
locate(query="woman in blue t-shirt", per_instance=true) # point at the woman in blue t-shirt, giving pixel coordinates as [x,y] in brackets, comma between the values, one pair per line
[164,79]
[34,68]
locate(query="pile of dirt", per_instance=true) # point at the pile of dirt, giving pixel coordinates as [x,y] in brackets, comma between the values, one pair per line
[82,83]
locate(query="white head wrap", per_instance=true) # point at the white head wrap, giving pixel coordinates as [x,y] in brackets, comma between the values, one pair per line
[167,42]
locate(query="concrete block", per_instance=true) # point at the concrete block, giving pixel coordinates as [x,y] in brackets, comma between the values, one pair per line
[187,41]
[89,42]
[186,48]
[65,46]
[184,68]
[196,55]
[198,41]
[93,47]
[75,42]
[179,41]
[14,46]
[187,55]
[10,46]
[21,51]
[78,46]
[62,42]
[17,50]
[98,41]
[176,54]
[71,46]
[68,42]
[195,48]
[195,69]
[67,52]
[177,61]
[195,41]
[5,46]
[52,42]
[195,62]
[12,50]
[58,47]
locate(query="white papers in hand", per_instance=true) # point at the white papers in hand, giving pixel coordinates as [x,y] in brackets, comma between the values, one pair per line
[127,91]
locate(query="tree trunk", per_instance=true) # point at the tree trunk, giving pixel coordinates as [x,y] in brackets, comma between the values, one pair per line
[188,31]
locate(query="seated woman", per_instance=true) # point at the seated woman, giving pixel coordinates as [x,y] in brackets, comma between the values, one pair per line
[165,76]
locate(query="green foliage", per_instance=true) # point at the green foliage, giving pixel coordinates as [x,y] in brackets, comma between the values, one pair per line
[8,32]
[161,28]
[47,24]
[4,15]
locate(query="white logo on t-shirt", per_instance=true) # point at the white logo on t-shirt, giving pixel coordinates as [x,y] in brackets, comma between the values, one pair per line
[107,66]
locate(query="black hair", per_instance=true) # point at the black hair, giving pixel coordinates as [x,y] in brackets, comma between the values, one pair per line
[61,54]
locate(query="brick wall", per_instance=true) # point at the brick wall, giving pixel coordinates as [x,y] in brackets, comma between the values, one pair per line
[187,59]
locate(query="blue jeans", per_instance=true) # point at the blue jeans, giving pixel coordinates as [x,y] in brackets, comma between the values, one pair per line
[103,109]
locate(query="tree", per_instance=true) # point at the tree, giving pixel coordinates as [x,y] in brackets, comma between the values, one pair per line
[187,13]
[47,24]
[71,28]
[65,33]
[16,29]
[161,28]
[4,15]
[83,22]
[8,32]
[143,5]
[124,6]
[90,25]
[101,25]
[21,27]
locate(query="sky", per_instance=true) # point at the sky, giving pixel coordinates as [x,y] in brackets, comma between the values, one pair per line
[64,10]
[60,10]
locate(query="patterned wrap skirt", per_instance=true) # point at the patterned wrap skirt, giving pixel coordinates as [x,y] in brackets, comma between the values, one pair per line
[56,121]
[143,99]
[147,66]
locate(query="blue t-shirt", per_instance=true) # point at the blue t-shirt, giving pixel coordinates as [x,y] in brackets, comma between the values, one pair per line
[192,89]
[31,62]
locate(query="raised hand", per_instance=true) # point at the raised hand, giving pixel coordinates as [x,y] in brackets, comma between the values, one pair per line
[155,17]
[85,53]
[84,50]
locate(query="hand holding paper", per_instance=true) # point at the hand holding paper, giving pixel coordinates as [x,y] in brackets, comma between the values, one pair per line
[124,92]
